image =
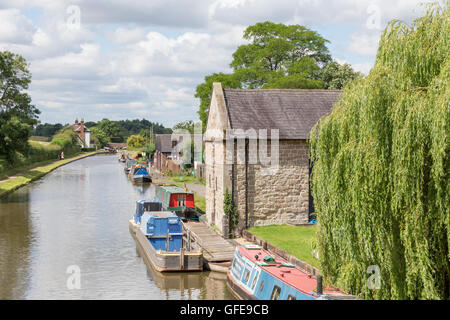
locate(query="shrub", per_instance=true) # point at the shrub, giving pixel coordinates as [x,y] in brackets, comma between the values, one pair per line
[135,141]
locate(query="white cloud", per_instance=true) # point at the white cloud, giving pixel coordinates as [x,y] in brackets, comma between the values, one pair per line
[144,59]
[15,28]
[364,44]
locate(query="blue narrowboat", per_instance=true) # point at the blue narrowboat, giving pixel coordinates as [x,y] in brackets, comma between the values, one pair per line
[159,235]
[256,275]
[139,174]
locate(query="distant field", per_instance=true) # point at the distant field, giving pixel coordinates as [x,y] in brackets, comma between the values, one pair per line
[39,139]
[297,241]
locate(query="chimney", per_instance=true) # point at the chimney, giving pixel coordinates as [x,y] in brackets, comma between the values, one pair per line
[82,131]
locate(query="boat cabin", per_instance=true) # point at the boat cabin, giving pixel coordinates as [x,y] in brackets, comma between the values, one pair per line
[175,198]
[257,275]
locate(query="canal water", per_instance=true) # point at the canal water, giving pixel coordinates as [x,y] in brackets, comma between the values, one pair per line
[74,221]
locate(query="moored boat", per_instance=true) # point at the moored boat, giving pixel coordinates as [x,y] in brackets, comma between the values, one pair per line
[256,275]
[177,200]
[138,173]
[123,157]
[159,235]
[129,164]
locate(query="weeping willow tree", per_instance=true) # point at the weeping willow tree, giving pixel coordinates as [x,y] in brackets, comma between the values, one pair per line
[381,169]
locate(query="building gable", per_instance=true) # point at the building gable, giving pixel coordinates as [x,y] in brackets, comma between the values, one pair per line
[218,119]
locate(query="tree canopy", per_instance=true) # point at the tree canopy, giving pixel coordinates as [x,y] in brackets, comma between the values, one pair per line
[380,179]
[276,51]
[17,114]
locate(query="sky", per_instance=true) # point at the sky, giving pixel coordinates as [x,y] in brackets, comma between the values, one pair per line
[96,59]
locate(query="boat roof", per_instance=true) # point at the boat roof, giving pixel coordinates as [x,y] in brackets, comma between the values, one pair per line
[283,270]
[175,189]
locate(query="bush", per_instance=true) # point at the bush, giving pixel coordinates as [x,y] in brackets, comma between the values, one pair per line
[64,141]
[135,141]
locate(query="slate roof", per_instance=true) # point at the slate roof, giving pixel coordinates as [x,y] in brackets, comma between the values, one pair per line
[293,111]
[164,142]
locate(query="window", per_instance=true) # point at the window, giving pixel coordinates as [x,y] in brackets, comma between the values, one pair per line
[181,200]
[275,293]
[246,275]
[255,278]
[291,297]
[262,286]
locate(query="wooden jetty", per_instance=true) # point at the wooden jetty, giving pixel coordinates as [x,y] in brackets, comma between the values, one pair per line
[217,252]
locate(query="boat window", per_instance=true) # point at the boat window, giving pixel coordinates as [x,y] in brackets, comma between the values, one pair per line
[181,200]
[255,278]
[262,286]
[275,293]
[291,297]
[246,275]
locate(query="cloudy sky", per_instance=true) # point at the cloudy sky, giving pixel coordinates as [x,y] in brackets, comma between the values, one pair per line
[120,59]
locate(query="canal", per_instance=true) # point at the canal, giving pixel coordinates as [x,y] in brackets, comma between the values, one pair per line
[75,221]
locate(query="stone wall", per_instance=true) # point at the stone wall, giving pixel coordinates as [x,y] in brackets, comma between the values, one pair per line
[215,184]
[279,197]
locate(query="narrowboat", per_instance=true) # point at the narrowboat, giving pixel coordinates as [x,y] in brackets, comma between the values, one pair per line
[129,164]
[123,157]
[159,235]
[178,200]
[139,174]
[255,274]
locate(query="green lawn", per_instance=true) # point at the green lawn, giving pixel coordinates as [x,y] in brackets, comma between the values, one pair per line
[180,178]
[11,172]
[297,241]
[200,203]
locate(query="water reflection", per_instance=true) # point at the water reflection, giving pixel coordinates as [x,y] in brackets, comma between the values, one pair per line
[78,215]
[15,240]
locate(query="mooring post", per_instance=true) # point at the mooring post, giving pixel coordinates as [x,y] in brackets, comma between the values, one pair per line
[319,285]
[167,240]
[182,258]
[189,240]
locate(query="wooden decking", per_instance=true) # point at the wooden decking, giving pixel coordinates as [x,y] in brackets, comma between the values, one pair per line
[200,236]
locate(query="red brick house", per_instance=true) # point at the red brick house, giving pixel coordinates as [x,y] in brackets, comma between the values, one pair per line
[83,133]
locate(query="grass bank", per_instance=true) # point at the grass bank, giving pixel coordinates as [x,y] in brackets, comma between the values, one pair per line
[182,178]
[22,180]
[297,241]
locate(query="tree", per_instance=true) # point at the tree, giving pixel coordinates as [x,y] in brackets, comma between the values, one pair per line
[204,91]
[135,141]
[17,114]
[185,126]
[110,128]
[101,139]
[47,129]
[274,52]
[336,76]
[380,179]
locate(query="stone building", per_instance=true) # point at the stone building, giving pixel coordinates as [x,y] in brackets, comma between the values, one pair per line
[267,178]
